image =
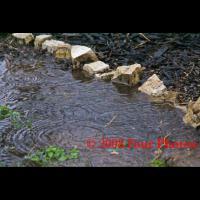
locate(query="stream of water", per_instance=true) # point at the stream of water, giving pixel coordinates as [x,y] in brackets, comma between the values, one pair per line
[66,109]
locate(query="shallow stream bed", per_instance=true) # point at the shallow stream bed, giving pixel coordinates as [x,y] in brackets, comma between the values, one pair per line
[67,109]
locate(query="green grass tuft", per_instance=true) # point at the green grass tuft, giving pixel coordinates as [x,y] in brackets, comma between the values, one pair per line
[52,154]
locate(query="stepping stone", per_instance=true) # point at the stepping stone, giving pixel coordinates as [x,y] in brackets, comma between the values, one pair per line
[23,38]
[95,67]
[153,86]
[128,75]
[82,55]
[59,48]
[41,39]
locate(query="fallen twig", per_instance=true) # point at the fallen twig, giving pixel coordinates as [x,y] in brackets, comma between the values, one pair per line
[144,42]
[187,74]
[141,44]
[109,123]
[145,37]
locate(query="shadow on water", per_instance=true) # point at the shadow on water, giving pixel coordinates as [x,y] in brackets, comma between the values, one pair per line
[81,76]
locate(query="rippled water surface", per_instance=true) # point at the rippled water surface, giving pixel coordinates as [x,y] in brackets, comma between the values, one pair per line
[66,109]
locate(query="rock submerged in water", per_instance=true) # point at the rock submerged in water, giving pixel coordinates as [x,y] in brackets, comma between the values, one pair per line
[166,97]
[24,38]
[41,39]
[192,116]
[95,67]
[128,75]
[105,76]
[153,86]
[63,52]
[59,48]
[82,55]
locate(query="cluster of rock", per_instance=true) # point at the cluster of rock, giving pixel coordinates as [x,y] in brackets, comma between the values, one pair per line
[126,75]
[84,58]
[156,89]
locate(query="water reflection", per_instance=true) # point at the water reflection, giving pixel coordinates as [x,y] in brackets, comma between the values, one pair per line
[81,76]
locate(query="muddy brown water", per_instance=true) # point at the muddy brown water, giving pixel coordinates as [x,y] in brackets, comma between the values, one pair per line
[66,109]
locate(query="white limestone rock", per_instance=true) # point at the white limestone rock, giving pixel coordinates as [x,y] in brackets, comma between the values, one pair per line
[41,39]
[53,45]
[95,67]
[59,48]
[153,86]
[128,75]
[23,38]
[82,54]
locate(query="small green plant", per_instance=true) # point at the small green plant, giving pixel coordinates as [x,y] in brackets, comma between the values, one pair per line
[73,154]
[4,112]
[17,120]
[29,124]
[158,163]
[52,154]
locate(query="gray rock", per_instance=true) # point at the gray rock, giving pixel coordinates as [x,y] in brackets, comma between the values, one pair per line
[128,75]
[153,86]
[95,67]
[59,48]
[53,45]
[82,54]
